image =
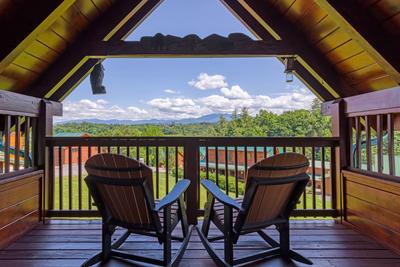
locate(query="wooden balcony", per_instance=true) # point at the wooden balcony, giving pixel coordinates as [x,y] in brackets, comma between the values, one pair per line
[69,242]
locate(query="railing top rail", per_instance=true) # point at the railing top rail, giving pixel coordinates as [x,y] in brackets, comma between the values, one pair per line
[201,141]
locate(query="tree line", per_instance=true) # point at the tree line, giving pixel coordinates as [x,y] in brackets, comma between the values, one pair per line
[302,122]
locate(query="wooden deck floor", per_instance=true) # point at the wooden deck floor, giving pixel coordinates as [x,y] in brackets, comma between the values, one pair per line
[68,243]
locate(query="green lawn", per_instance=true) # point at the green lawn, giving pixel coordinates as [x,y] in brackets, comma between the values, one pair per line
[162,192]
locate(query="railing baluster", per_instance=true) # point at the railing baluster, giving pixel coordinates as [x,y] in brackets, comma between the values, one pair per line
[17,142]
[391,154]
[255,154]
[27,142]
[157,174]
[226,172]
[323,181]
[166,170]
[236,173]
[207,169]
[176,164]
[60,176]
[118,150]
[128,153]
[379,126]
[358,142]
[265,152]
[333,177]
[368,142]
[216,166]
[70,184]
[147,155]
[303,151]
[245,160]
[7,126]
[313,176]
[80,177]
[88,193]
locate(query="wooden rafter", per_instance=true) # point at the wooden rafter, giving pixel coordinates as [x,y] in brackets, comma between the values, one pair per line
[310,58]
[74,58]
[19,36]
[360,26]
[84,70]
[259,30]
[236,45]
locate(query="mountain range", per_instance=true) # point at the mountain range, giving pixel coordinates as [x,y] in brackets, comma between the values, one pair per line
[211,118]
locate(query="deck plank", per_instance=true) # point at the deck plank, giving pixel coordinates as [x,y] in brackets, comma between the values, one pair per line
[70,242]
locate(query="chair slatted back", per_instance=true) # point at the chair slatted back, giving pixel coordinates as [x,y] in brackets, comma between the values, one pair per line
[269,201]
[124,203]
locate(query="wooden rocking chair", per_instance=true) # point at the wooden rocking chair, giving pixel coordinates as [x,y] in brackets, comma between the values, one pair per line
[273,187]
[122,189]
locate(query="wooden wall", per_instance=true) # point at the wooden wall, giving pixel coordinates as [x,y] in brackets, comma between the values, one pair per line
[372,206]
[19,205]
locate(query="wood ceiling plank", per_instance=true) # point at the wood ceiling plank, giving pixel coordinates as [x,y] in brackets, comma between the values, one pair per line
[123,30]
[354,63]
[30,62]
[41,51]
[376,84]
[356,22]
[332,41]
[52,40]
[343,52]
[309,57]
[88,9]
[258,30]
[21,35]
[73,59]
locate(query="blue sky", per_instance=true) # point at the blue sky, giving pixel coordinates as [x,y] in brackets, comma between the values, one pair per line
[183,88]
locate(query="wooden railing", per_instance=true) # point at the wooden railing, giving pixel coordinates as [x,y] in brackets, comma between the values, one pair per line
[221,159]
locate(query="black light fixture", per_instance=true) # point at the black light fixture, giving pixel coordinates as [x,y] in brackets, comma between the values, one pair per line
[96,79]
[289,68]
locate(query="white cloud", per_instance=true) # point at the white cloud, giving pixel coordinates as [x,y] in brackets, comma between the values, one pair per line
[170,91]
[205,81]
[180,107]
[235,92]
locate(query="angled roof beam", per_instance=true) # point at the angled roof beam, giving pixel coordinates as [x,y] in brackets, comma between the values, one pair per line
[34,18]
[360,26]
[103,29]
[309,57]
[84,69]
[261,33]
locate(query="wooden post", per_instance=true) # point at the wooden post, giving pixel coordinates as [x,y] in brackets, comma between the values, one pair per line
[340,128]
[43,157]
[191,171]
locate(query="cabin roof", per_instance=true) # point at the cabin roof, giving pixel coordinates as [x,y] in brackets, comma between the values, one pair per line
[345,47]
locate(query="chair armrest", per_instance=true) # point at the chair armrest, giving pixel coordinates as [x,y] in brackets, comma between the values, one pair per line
[174,195]
[218,194]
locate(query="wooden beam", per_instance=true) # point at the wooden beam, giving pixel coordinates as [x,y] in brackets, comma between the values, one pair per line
[23,105]
[73,58]
[355,21]
[34,17]
[261,33]
[309,57]
[236,45]
[84,70]
[380,102]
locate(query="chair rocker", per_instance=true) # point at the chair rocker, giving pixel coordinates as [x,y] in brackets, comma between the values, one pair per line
[122,190]
[273,188]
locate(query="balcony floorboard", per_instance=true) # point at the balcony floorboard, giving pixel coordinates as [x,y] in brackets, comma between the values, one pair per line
[70,242]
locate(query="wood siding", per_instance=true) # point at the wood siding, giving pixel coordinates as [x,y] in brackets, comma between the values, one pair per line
[372,206]
[19,205]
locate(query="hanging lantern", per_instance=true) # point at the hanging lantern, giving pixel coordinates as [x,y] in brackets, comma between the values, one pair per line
[289,68]
[96,79]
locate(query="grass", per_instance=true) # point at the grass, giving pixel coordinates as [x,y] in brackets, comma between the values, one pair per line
[162,192]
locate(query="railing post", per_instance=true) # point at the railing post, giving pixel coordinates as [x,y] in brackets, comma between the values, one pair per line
[340,128]
[44,159]
[191,172]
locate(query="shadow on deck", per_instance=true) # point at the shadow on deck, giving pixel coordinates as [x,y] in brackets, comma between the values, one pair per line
[69,242]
